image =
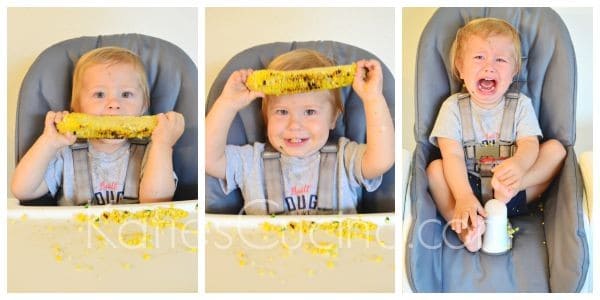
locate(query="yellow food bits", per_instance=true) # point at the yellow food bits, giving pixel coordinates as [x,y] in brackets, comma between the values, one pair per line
[58,253]
[330,264]
[136,239]
[272,82]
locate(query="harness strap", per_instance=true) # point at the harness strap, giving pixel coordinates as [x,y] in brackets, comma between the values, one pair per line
[273,181]
[327,200]
[83,178]
[506,146]
[507,134]
[137,149]
[464,107]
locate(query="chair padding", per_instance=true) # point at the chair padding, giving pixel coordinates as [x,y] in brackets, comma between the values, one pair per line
[550,251]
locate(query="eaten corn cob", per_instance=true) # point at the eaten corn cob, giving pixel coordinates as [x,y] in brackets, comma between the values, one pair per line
[272,82]
[107,127]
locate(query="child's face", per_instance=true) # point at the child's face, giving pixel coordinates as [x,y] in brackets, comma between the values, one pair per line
[298,125]
[111,89]
[487,68]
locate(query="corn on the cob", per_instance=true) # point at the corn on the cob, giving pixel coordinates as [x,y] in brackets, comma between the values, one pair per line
[107,127]
[272,82]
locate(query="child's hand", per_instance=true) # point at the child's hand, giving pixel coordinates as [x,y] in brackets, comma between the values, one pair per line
[465,213]
[510,174]
[368,80]
[235,93]
[51,136]
[169,128]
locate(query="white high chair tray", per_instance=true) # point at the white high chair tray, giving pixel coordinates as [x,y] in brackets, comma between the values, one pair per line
[274,254]
[56,249]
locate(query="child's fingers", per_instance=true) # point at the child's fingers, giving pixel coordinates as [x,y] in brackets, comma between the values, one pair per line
[465,220]
[49,121]
[473,217]
[481,211]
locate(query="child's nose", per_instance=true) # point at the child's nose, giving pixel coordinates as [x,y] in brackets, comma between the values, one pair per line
[294,122]
[113,103]
[489,67]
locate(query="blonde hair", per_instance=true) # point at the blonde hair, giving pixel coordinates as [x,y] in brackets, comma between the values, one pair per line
[108,55]
[484,28]
[300,59]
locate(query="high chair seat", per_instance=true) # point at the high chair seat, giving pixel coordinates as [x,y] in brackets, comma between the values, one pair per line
[172,78]
[248,126]
[550,251]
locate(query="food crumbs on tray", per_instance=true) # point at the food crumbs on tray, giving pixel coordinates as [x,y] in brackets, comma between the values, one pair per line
[377,258]
[146,256]
[330,264]
[23,217]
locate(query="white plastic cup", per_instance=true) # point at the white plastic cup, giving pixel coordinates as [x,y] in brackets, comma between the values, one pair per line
[495,238]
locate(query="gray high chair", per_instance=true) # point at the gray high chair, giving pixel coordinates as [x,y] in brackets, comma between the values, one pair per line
[172,78]
[248,126]
[550,251]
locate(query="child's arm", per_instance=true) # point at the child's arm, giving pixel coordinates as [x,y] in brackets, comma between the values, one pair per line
[511,171]
[368,84]
[467,206]
[157,182]
[28,179]
[234,97]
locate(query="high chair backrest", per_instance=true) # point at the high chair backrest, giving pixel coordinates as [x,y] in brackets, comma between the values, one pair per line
[248,126]
[548,71]
[548,76]
[172,79]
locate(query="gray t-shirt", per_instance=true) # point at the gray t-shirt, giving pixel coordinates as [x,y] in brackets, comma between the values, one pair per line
[107,171]
[486,122]
[245,170]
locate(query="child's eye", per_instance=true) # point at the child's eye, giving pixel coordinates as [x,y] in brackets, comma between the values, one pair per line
[281,112]
[500,59]
[310,112]
[99,95]
[126,94]
[478,57]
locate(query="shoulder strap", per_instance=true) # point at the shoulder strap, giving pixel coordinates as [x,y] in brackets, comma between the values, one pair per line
[137,149]
[327,200]
[83,181]
[468,134]
[507,134]
[273,181]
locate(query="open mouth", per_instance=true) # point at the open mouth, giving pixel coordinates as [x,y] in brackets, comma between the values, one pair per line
[295,141]
[487,86]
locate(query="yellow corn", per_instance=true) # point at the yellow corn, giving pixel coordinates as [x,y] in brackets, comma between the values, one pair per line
[107,127]
[272,82]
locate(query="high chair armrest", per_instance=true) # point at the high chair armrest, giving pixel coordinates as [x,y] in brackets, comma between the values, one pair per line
[586,167]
